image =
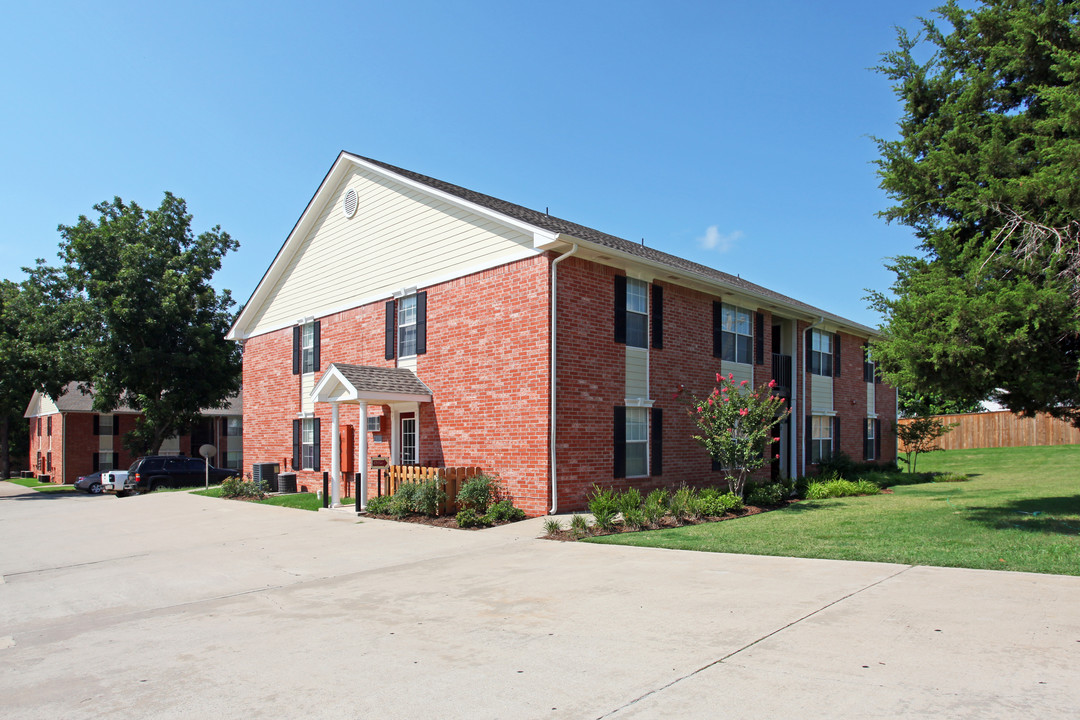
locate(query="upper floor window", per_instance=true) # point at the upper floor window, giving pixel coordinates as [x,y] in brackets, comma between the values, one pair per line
[307,348]
[637,313]
[869,366]
[105,424]
[306,342]
[234,426]
[821,353]
[736,336]
[406,326]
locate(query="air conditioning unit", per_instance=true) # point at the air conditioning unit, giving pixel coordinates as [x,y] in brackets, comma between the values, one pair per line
[267,474]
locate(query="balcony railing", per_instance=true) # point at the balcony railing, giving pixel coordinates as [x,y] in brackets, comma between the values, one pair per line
[781,371]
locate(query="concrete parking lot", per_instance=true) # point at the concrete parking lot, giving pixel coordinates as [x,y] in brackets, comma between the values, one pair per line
[173,605]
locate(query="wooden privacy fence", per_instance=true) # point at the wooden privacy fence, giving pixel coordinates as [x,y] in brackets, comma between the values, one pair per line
[397,475]
[1003,429]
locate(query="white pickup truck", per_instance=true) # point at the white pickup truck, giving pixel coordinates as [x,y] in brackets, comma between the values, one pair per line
[114,481]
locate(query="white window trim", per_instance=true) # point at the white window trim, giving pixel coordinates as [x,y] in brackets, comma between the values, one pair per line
[750,335]
[398,325]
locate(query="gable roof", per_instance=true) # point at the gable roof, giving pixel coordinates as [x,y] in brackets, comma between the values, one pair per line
[76,399]
[549,226]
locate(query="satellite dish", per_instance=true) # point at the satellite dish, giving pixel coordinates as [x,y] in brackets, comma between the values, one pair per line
[207,451]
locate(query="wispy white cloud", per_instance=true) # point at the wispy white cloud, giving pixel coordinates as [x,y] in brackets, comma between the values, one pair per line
[718,241]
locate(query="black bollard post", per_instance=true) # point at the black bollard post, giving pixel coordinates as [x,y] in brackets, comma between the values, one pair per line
[356,488]
[326,489]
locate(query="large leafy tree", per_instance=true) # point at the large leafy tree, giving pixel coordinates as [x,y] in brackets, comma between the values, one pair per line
[914,403]
[985,172]
[39,351]
[152,327]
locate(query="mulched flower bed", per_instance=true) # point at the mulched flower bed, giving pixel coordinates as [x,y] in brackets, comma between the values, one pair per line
[668,522]
[444,521]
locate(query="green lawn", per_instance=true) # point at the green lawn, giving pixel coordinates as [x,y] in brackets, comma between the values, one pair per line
[300,501]
[41,487]
[1019,511]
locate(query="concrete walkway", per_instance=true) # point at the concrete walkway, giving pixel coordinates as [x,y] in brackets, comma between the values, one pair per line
[173,605]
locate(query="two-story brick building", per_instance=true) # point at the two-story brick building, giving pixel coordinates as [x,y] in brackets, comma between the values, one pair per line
[418,320]
[68,438]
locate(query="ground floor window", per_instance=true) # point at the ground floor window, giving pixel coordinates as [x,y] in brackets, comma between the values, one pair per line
[307,445]
[637,442]
[869,443]
[233,458]
[408,439]
[821,438]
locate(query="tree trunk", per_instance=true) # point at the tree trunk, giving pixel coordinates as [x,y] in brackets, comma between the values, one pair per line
[5,461]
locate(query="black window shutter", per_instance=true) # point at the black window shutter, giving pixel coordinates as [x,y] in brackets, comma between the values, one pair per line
[296,428]
[318,345]
[657,442]
[116,460]
[115,424]
[48,461]
[421,323]
[836,434]
[316,463]
[877,438]
[759,337]
[714,464]
[836,355]
[658,317]
[717,328]
[48,426]
[97,425]
[296,342]
[97,463]
[809,439]
[391,324]
[809,348]
[620,442]
[865,442]
[620,310]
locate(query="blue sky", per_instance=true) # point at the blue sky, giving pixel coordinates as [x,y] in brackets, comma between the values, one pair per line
[734,134]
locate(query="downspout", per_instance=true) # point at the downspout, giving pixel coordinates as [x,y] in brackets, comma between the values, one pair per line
[551,417]
[805,365]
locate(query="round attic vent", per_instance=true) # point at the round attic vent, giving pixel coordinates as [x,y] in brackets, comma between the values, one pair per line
[349,203]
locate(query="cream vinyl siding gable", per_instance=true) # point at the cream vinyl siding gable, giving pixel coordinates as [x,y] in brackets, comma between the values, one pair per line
[741,371]
[637,372]
[821,393]
[399,237]
[307,384]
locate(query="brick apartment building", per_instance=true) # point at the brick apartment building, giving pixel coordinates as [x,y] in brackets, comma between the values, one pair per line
[410,318]
[69,439]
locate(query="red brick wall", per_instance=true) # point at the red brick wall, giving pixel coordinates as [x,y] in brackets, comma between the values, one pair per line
[73,444]
[486,360]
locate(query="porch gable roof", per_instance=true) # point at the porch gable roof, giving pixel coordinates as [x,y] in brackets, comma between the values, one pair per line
[364,383]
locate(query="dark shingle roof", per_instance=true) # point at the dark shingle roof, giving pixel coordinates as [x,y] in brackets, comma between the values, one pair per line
[75,399]
[558,225]
[366,378]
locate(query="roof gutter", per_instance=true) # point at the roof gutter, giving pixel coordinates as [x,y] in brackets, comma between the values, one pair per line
[551,416]
[805,364]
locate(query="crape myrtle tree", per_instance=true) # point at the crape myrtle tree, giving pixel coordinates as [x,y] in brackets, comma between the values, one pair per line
[152,327]
[37,347]
[735,425]
[985,172]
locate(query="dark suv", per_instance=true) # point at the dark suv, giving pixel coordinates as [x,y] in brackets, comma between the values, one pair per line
[156,471]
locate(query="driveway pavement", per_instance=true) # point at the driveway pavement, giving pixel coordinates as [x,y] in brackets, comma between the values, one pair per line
[174,605]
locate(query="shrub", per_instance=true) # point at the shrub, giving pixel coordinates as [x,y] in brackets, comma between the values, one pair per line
[629,501]
[715,503]
[579,525]
[769,494]
[552,526]
[683,504]
[379,505]
[235,487]
[834,488]
[503,511]
[604,505]
[468,518]
[477,493]
[655,506]
[837,465]
[429,496]
[634,519]
[951,477]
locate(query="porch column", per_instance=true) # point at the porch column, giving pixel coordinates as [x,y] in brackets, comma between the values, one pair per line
[361,483]
[335,456]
